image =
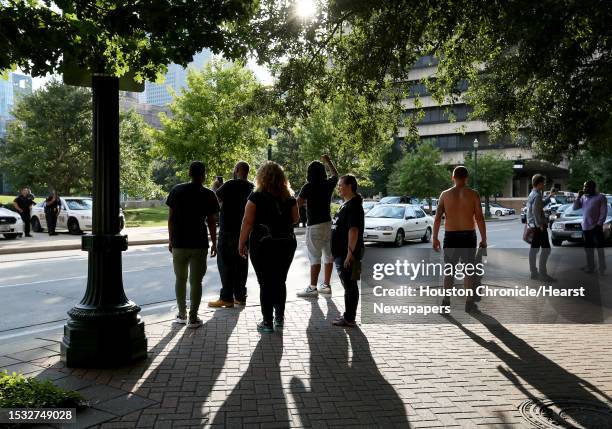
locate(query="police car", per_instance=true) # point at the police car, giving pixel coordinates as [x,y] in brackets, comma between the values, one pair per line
[75,215]
[11,225]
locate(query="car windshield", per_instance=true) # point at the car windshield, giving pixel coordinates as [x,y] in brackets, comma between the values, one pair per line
[569,211]
[563,199]
[386,212]
[80,204]
[389,200]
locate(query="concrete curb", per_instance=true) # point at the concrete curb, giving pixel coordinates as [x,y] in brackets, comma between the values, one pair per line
[77,246]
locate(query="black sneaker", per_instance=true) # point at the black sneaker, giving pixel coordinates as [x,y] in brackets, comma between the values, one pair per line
[535,276]
[547,278]
[265,327]
[279,323]
[471,307]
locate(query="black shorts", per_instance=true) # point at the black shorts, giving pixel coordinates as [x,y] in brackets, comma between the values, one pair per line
[460,246]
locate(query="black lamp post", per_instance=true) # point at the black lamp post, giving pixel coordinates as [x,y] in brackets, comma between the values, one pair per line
[270,136]
[105,328]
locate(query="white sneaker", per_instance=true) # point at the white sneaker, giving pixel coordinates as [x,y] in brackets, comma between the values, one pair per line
[323,288]
[181,320]
[194,324]
[308,292]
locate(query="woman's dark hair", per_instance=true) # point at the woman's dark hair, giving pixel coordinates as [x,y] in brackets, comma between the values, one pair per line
[316,172]
[350,180]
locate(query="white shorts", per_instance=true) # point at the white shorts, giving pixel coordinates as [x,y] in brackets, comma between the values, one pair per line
[318,243]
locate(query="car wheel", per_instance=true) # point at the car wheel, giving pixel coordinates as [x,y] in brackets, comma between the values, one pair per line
[73,226]
[399,238]
[11,236]
[427,237]
[36,226]
[498,213]
[557,242]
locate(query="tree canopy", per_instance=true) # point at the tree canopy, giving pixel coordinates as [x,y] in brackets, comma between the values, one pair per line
[419,173]
[537,71]
[118,37]
[212,120]
[49,144]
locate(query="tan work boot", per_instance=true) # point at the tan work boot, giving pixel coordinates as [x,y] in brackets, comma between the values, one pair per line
[221,304]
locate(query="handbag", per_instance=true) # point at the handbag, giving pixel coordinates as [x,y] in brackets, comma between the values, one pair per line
[528,234]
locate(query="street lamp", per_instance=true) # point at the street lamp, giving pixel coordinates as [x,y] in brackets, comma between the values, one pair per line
[475,144]
[271,135]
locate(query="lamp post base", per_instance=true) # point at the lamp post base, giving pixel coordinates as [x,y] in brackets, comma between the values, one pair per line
[104,342]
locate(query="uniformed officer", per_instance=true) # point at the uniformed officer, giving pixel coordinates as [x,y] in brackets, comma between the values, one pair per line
[52,209]
[23,203]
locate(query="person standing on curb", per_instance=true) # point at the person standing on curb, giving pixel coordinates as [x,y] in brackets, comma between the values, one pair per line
[461,207]
[233,269]
[191,208]
[23,203]
[53,206]
[537,221]
[595,211]
[269,216]
[347,246]
[317,194]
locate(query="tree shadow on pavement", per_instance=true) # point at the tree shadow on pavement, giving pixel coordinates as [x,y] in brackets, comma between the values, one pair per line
[346,386]
[258,397]
[525,363]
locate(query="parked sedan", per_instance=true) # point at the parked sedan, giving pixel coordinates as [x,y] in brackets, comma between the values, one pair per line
[75,215]
[368,204]
[396,223]
[568,226]
[498,210]
[11,225]
[557,214]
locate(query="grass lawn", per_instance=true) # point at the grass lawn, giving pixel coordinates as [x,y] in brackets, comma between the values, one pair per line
[150,216]
[8,199]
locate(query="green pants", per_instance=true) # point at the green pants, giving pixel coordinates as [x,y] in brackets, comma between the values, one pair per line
[192,261]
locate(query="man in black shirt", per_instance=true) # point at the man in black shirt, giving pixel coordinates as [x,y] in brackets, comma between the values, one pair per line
[233,268]
[23,203]
[53,206]
[317,194]
[347,246]
[191,207]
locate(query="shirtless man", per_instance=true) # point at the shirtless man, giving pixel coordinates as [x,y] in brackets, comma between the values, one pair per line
[461,206]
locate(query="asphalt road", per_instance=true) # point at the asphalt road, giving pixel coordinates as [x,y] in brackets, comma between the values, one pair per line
[37,289]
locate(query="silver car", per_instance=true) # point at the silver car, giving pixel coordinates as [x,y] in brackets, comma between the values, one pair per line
[568,226]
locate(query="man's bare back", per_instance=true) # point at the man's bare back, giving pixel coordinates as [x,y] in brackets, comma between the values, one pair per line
[461,206]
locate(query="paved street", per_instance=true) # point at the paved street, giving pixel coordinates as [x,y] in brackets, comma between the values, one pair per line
[311,374]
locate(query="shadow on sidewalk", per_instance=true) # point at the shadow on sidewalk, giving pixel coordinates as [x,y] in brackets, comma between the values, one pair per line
[538,371]
[259,393]
[346,387]
[191,364]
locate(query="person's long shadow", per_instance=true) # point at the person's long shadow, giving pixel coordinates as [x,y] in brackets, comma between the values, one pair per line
[191,364]
[353,392]
[526,363]
[259,393]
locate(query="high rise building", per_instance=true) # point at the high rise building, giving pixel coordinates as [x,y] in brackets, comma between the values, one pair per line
[449,127]
[176,78]
[11,89]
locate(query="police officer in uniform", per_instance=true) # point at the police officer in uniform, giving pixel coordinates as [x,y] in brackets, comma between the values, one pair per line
[23,203]
[52,209]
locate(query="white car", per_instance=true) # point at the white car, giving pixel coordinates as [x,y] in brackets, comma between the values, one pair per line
[75,215]
[498,210]
[396,223]
[11,225]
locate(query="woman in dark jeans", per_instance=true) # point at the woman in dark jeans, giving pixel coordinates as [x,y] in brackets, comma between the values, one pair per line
[347,246]
[269,216]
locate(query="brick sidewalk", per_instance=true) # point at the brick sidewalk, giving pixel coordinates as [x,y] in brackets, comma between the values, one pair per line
[312,374]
